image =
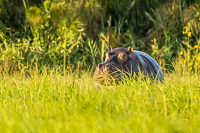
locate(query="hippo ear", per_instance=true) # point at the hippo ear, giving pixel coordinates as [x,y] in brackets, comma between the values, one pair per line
[107,56]
[111,48]
[130,51]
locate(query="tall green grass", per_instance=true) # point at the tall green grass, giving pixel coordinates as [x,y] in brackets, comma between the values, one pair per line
[50,102]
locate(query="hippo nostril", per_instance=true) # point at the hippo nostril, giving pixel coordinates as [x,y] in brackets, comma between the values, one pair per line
[107,66]
[98,66]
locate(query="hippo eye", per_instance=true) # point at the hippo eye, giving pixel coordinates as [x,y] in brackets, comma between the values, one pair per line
[121,55]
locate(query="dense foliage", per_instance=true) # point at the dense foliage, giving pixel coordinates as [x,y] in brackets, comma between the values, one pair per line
[68,34]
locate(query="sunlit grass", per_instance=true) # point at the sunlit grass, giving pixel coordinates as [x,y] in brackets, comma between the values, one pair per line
[76,103]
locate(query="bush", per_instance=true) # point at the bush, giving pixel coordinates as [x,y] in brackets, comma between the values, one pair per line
[76,34]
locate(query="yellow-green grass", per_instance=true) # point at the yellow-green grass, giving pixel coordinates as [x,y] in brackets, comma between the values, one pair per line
[76,103]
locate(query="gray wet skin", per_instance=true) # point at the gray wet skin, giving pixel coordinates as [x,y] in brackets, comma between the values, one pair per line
[126,60]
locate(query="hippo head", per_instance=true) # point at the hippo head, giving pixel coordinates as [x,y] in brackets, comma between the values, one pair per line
[117,62]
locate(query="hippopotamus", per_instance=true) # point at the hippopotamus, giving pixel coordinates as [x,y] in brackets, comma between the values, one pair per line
[126,61]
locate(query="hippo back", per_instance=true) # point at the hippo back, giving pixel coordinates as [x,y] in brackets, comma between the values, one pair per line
[150,65]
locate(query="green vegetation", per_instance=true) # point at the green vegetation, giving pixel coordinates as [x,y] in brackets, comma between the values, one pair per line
[49,102]
[49,48]
[76,34]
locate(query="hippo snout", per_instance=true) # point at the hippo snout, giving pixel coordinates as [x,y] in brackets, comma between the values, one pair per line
[106,72]
[102,67]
